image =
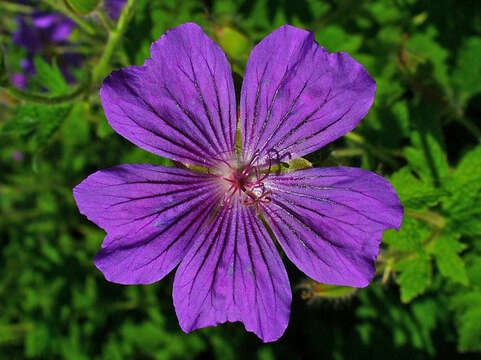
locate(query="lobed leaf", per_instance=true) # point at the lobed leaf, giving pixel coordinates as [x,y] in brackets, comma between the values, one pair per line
[415,276]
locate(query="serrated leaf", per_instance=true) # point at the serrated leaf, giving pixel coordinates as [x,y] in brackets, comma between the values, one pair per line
[414,277]
[49,77]
[470,331]
[467,73]
[424,47]
[468,170]
[35,344]
[450,264]
[426,313]
[464,204]
[427,156]
[474,272]
[409,237]
[413,192]
[468,311]
[24,120]
[40,121]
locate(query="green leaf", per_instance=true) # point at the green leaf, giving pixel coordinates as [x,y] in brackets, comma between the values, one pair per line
[426,313]
[49,76]
[446,249]
[413,192]
[415,276]
[464,204]
[425,48]
[474,272]
[39,121]
[234,43]
[467,73]
[468,170]
[470,331]
[83,7]
[468,311]
[35,343]
[409,238]
[334,38]
[427,156]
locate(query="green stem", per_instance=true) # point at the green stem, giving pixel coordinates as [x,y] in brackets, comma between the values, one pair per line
[356,138]
[101,69]
[84,25]
[471,126]
[430,217]
[348,152]
[382,154]
[7,6]
[46,99]
[105,19]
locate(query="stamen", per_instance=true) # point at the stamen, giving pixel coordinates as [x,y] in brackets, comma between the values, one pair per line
[247,182]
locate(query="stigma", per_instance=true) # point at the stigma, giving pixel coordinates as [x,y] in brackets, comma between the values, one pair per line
[243,181]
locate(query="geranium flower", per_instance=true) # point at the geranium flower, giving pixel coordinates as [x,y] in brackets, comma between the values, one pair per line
[219,224]
[40,33]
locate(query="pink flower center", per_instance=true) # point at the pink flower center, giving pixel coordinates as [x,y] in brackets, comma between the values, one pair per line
[245,182]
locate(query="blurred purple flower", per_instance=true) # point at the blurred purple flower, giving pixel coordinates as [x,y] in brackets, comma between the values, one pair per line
[19,80]
[296,97]
[39,33]
[114,7]
[17,156]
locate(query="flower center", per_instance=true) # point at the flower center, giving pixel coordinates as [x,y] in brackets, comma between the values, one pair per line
[244,182]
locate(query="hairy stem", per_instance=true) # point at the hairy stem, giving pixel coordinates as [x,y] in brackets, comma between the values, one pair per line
[84,25]
[430,217]
[47,99]
[101,69]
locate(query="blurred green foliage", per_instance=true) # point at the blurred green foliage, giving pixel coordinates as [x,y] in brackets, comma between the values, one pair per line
[423,133]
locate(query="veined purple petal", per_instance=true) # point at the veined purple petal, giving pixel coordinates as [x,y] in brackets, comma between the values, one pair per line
[233,273]
[150,213]
[330,221]
[180,104]
[297,97]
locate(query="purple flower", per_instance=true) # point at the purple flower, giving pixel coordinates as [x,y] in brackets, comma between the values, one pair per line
[17,156]
[114,7]
[19,80]
[39,33]
[296,97]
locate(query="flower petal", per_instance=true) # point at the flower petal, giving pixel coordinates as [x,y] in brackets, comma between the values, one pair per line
[180,104]
[330,221]
[233,273]
[55,27]
[62,30]
[44,20]
[296,97]
[150,213]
